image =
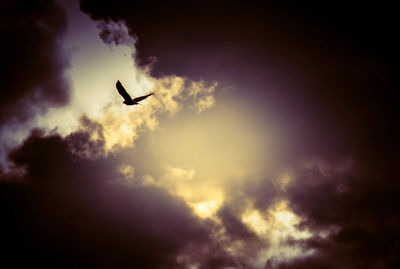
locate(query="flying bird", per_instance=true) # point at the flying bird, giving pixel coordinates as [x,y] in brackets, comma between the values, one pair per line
[128,99]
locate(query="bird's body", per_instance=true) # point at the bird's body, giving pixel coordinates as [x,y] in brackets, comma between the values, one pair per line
[128,100]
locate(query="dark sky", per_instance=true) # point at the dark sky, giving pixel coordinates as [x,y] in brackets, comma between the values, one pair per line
[323,74]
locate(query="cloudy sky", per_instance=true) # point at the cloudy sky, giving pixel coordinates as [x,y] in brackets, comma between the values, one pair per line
[271,141]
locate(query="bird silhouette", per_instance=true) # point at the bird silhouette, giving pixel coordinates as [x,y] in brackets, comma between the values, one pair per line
[128,99]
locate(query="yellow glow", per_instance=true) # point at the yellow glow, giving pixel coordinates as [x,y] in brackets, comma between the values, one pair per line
[127,171]
[205,103]
[217,144]
[205,209]
[287,218]
[178,173]
[255,221]
[205,200]
[277,223]
[285,221]
[197,147]
[148,180]
[196,152]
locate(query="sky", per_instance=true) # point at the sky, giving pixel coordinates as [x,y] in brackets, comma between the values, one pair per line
[271,140]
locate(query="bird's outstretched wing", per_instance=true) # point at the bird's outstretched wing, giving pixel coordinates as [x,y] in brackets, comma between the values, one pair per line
[140,98]
[123,92]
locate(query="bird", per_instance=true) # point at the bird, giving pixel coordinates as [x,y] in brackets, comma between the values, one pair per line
[128,99]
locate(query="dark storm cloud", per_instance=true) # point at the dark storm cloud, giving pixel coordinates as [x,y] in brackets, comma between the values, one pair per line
[233,225]
[70,212]
[360,212]
[113,33]
[32,64]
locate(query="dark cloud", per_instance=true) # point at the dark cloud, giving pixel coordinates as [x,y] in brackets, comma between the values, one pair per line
[360,214]
[32,63]
[234,226]
[70,212]
[209,255]
[114,33]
